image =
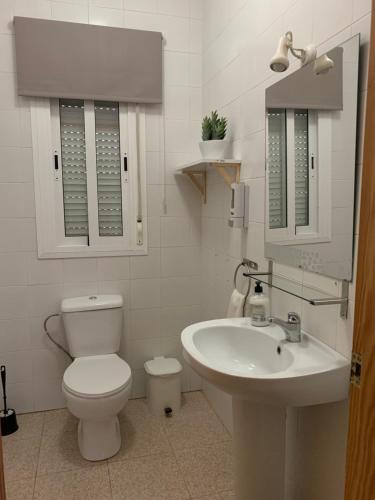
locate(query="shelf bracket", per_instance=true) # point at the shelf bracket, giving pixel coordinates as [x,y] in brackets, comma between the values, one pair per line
[228,179]
[200,185]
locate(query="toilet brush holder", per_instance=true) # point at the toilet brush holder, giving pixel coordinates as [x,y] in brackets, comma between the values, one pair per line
[8,418]
[8,422]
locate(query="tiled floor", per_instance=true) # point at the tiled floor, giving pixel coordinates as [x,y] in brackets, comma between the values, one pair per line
[185,457]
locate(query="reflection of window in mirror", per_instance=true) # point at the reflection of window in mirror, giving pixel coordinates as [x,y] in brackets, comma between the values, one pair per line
[298,175]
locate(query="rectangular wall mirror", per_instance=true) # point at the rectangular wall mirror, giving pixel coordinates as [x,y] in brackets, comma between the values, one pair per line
[310,165]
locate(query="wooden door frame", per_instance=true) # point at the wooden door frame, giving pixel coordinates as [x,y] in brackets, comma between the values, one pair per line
[2,481]
[360,467]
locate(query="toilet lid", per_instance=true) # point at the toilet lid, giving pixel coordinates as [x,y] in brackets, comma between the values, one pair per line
[97,376]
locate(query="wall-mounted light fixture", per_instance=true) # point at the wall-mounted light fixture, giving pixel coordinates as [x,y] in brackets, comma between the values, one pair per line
[280,61]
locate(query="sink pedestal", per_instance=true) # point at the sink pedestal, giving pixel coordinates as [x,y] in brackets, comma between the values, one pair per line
[259,449]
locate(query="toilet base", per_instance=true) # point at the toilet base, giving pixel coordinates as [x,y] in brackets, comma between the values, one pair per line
[99,439]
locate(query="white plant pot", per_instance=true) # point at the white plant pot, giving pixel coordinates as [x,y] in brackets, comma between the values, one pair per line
[213,150]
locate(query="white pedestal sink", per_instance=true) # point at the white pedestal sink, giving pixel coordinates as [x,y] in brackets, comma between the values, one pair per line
[264,374]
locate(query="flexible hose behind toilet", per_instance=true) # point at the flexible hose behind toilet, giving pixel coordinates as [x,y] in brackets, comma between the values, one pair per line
[50,336]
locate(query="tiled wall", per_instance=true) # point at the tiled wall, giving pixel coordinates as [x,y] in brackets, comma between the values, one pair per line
[239,39]
[161,290]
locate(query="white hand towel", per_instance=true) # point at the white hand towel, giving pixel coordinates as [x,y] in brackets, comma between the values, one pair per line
[235,306]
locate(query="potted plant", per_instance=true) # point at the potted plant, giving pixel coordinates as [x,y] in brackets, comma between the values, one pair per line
[214,129]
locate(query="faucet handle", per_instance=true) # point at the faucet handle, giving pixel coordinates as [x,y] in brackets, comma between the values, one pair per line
[294,318]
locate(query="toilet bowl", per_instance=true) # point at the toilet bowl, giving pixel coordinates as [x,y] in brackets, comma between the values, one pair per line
[96,389]
[98,382]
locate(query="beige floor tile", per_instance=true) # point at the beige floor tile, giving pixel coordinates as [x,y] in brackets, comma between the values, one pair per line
[21,489]
[30,426]
[20,458]
[206,497]
[148,478]
[192,402]
[135,408]
[141,436]
[59,422]
[207,470]
[59,453]
[198,428]
[226,495]
[87,484]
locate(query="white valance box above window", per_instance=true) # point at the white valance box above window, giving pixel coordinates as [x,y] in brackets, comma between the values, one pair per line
[82,61]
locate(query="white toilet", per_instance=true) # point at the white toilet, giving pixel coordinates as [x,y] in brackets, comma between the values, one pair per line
[98,382]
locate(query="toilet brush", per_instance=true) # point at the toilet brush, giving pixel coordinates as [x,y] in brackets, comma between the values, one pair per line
[7,415]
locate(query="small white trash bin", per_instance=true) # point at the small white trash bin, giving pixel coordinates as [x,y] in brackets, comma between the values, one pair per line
[163,385]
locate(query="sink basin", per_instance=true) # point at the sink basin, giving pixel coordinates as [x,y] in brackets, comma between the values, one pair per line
[257,363]
[266,376]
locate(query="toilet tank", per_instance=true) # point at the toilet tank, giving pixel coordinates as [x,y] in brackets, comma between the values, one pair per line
[93,324]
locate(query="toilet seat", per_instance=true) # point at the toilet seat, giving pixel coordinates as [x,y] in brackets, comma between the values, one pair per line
[97,376]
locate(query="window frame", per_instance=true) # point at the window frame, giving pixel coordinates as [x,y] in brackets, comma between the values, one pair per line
[320,146]
[52,242]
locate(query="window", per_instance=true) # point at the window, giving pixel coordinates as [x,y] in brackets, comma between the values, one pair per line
[89,169]
[298,175]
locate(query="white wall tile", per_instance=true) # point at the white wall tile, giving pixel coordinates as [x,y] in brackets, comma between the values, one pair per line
[105,16]
[47,394]
[109,4]
[13,269]
[146,266]
[113,268]
[20,396]
[176,33]
[142,350]
[179,231]
[70,12]
[176,68]
[180,261]
[173,7]
[13,302]
[180,291]
[16,164]
[329,18]
[121,287]
[79,270]
[6,16]
[196,10]
[17,200]
[15,335]
[145,323]
[144,293]
[7,61]
[18,366]
[361,8]
[44,299]
[141,5]
[32,8]
[177,102]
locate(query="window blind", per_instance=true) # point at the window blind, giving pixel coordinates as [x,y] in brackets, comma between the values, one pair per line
[108,168]
[73,159]
[82,61]
[301,155]
[277,172]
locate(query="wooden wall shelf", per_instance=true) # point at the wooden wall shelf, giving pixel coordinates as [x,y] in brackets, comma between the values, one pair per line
[197,173]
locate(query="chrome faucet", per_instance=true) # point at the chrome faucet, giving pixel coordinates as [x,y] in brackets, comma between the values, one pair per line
[292,327]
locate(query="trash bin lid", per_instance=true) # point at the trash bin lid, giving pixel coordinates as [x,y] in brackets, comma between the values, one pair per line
[161,366]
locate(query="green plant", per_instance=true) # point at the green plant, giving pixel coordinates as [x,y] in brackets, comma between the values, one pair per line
[206,129]
[214,127]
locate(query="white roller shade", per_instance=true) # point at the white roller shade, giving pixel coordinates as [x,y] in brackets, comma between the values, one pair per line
[81,61]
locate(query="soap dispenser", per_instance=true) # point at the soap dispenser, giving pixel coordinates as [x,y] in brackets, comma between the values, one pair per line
[259,306]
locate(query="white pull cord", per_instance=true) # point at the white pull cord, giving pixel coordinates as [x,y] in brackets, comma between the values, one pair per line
[139,186]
